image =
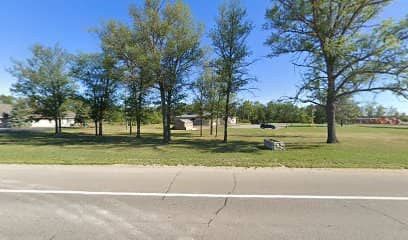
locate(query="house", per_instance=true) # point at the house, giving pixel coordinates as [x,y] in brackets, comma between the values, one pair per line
[5,112]
[37,121]
[183,124]
[197,120]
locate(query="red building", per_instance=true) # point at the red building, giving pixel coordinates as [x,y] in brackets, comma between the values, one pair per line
[379,120]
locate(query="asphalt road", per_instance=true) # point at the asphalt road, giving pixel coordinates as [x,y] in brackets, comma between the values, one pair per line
[126,202]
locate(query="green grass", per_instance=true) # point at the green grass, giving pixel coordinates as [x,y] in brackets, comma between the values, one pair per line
[360,147]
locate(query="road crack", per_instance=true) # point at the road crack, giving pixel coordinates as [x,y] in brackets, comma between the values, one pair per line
[219,210]
[171,184]
[404,224]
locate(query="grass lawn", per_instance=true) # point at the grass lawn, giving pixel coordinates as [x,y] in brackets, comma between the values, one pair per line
[360,147]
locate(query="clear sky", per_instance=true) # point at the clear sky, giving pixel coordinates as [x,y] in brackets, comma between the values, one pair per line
[27,22]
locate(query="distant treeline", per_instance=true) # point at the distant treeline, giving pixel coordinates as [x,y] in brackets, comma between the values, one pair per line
[278,112]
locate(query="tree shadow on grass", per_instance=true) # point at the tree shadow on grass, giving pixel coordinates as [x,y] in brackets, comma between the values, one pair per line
[149,140]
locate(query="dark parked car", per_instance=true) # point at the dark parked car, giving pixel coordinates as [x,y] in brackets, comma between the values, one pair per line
[267,125]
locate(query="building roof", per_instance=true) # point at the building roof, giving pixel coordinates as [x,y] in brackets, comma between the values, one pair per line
[5,109]
[184,120]
[188,116]
[192,115]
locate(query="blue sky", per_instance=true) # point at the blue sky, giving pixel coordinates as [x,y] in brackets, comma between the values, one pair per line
[27,22]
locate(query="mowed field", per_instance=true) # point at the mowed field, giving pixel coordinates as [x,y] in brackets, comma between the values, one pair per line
[360,147]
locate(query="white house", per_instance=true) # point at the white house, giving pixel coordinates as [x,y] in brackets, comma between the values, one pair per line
[37,121]
[196,119]
[183,124]
[46,122]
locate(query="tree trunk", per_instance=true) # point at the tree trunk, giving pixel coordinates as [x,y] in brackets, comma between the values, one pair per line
[164,114]
[96,127]
[139,115]
[331,123]
[226,117]
[100,127]
[59,125]
[217,116]
[331,108]
[211,124]
[169,101]
[56,125]
[138,125]
[201,127]
[130,126]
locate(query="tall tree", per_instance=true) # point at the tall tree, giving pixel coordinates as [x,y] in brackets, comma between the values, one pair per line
[212,91]
[341,49]
[229,38]
[44,79]
[205,92]
[127,45]
[171,48]
[200,90]
[98,75]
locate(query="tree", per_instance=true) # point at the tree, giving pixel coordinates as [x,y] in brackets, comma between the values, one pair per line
[229,38]
[44,79]
[342,51]
[4,99]
[347,110]
[380,111]
[171,48]
[200,88]
[205,91]
[79,105]
[212,91]
[127,45]
[393,112]
[100,81]
[20,114]
[369,110]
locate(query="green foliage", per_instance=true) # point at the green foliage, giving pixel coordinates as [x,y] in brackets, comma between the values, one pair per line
[99,77]
[44,79]
[340,49]
[152,116]
[169,40]
[20,114]
[81,109]
[403,118]
[256,113]
[347,110]
[229,38]
[4,99]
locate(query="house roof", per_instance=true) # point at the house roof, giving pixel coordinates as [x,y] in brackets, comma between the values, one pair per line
[188,116]
[5,109]
[66,115]
[193,115]
[184,120]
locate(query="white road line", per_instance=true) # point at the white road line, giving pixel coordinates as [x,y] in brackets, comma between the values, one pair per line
[199,195]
